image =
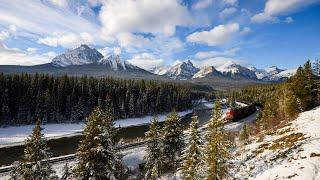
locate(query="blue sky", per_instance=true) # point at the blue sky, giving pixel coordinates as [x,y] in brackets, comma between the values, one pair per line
[152,33]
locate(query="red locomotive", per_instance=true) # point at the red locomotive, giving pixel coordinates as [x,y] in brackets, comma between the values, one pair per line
[239,113]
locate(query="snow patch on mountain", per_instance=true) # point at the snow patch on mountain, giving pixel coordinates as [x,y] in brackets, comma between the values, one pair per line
[181,70]
[260,73]
[116,64]
[206,71]
[235,70]
[160,70]
[285,74]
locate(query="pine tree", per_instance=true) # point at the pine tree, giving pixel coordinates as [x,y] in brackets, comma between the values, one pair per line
[36,165]
[5,110]
[153,160]
[66,172]
[232,103]
[245,134]
[217,146]
[172,141]
[77,111]
[316,67]
[192,155]
[97,155]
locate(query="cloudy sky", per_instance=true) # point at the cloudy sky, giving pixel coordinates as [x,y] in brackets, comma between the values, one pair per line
[152,33]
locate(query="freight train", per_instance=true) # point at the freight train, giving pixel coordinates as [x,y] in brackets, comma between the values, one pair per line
[239,113]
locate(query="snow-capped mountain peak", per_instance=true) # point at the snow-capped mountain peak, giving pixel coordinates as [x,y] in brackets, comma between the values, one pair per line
[160,70]
[206,71]
[115,63]
[78,56]
[180,70]
[236,70]
[273,70]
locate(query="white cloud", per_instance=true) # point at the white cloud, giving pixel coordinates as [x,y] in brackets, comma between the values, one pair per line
[211,54]
[264,17]
[145,16]
[61,3]
[202,4]
[50,54]
[131,40]
[117,50]
[39,20]
[219,62]
[216,36]
[13,56]
[107,51]
[32,50]
[68,40]
[146,61]
[275,8]
[4,35]
[245,30]
[95,3]
[160,45]
[227,12]
[289,20]
[231,2]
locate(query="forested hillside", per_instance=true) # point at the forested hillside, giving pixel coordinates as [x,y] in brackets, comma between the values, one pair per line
[25,98]
[286,100]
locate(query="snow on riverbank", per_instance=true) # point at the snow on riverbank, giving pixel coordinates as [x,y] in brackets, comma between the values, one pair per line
[14,134]
[144,120]
[290,152]
[17,134]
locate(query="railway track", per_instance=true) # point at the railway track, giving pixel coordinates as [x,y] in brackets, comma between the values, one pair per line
[69,157]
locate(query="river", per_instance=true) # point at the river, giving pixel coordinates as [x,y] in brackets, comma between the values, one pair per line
[69,144]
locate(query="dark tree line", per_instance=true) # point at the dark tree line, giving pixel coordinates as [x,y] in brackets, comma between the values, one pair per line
[25,97]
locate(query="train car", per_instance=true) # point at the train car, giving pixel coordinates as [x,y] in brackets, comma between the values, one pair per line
[239,113]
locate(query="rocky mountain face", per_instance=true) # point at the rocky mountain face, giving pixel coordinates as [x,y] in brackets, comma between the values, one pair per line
[237,71]
[78,56]
[115,63]
[208,71]
[179,71]
[84,60]
[84,55]
[186,70]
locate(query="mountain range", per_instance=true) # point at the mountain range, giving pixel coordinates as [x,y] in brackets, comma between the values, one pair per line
[186,70]
[81,61]
[84,60]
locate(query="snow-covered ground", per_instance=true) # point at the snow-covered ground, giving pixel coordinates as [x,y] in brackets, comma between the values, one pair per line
[14,134]
[131,158]
[290,152]
[144,120]
[17,134]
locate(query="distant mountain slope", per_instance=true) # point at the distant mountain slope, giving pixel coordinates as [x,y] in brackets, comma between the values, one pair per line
[179,71]
[209,71]
[237,71]
[283,75]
